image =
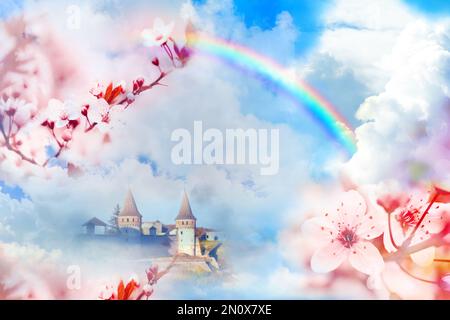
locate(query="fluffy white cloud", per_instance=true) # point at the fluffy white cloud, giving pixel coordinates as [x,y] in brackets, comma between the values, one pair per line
[361,34]
[29,272]
[406,124]
[18,219]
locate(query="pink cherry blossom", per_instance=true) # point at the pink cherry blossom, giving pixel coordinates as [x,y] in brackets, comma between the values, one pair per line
[404,219]
[97,90]
[152,274]
[100,114]
[147,290]
[108,293]
[67,135]
[19,109]
[7,105]
[159,34]
[58,121]
[344,234]
[61,113]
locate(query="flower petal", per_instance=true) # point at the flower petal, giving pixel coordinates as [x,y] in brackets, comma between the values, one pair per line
[351,208]
[319,230]
[168,28]
[434,222]
[366,258]
[388,245]
[424,257]
[374,281]
[398,233]
[372,225]
[328,258]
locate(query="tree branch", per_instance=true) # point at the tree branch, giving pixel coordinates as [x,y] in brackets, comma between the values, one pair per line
[435,241]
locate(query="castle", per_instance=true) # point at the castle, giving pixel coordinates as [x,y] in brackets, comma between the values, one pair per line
[184,234]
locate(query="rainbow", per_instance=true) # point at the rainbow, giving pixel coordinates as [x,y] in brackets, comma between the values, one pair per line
[321,110]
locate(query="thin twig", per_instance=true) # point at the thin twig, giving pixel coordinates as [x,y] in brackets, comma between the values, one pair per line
[17,151]
[435,241]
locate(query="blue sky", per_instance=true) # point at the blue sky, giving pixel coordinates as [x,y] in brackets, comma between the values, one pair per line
[15,192]
[432,7]
[307,14]
[8,6]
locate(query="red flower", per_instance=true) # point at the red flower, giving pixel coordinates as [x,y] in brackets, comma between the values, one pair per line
[110,94]
[123,292]
[439,195]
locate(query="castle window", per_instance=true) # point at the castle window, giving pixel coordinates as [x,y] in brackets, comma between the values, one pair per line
[128,219]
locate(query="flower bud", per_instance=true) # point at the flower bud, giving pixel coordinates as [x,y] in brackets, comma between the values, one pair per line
[11,111]
[444,282]
[138,83]
[155,61]
[84,110]
[130,97]
[49,124]
[67,135]
[148,289]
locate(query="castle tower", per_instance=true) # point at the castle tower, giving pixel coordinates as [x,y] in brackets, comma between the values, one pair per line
[130,219]
[185,224]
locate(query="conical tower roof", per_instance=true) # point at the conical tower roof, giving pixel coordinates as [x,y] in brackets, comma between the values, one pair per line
[185,212]
[129,206]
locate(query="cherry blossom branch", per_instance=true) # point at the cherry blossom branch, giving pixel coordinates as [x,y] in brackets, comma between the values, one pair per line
[156,82]
[435,241]
[56,155]
[8,145]
[111,97]
[153,276]
[128,292]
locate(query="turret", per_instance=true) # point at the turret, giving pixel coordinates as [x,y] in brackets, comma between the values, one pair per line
[186,223]
[130,219]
